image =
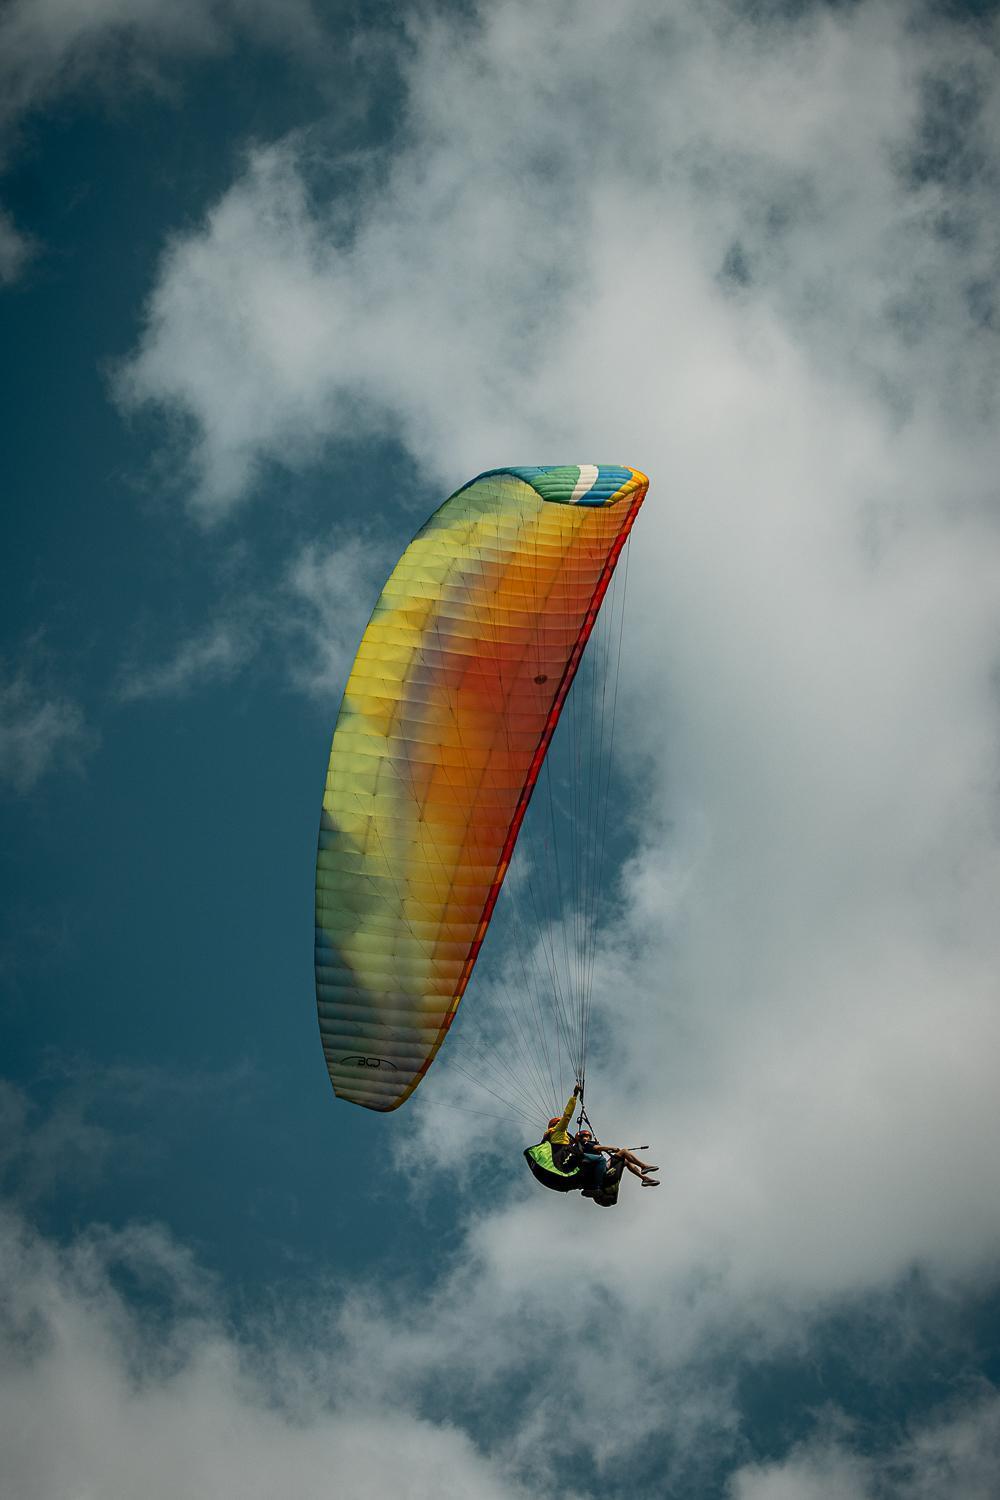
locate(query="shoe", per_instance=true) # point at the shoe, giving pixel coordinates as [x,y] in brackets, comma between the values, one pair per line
[648,1182]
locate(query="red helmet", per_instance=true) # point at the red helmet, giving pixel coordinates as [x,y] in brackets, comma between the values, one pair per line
[553,1122]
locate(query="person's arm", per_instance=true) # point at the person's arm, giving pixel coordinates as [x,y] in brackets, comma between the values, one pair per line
[559,1135]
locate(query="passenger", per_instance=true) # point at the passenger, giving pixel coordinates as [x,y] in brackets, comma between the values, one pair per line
[593,1160]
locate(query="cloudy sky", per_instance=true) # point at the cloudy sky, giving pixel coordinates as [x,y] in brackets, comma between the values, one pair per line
[275,277]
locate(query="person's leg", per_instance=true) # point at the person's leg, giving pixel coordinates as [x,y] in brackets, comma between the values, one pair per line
[643,1166]
[634,1164]
[593,1168]
[607,1194]
[626,1159]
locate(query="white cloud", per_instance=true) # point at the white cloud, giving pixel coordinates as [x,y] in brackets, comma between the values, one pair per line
[324,607]
[540,268]
[39,731]
[97,1122]
[817,1473]
[64,1145]
[244,341]
[308,621]
[49,48]
[96,1401]
[954,1455]
[217,654]
[15,249]
[437,1388]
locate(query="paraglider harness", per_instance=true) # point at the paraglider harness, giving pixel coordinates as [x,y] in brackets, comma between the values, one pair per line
[569,1176]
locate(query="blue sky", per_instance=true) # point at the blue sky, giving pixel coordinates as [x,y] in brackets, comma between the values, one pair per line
[276,278]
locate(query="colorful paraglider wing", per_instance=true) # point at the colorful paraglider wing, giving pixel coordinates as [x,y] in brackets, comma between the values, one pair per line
[448,712]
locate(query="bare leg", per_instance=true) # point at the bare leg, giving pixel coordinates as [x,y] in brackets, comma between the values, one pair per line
[627,1155]
[632,1160]
[633,1165]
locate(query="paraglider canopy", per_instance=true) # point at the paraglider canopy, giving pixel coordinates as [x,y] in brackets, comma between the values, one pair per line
[451,704]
